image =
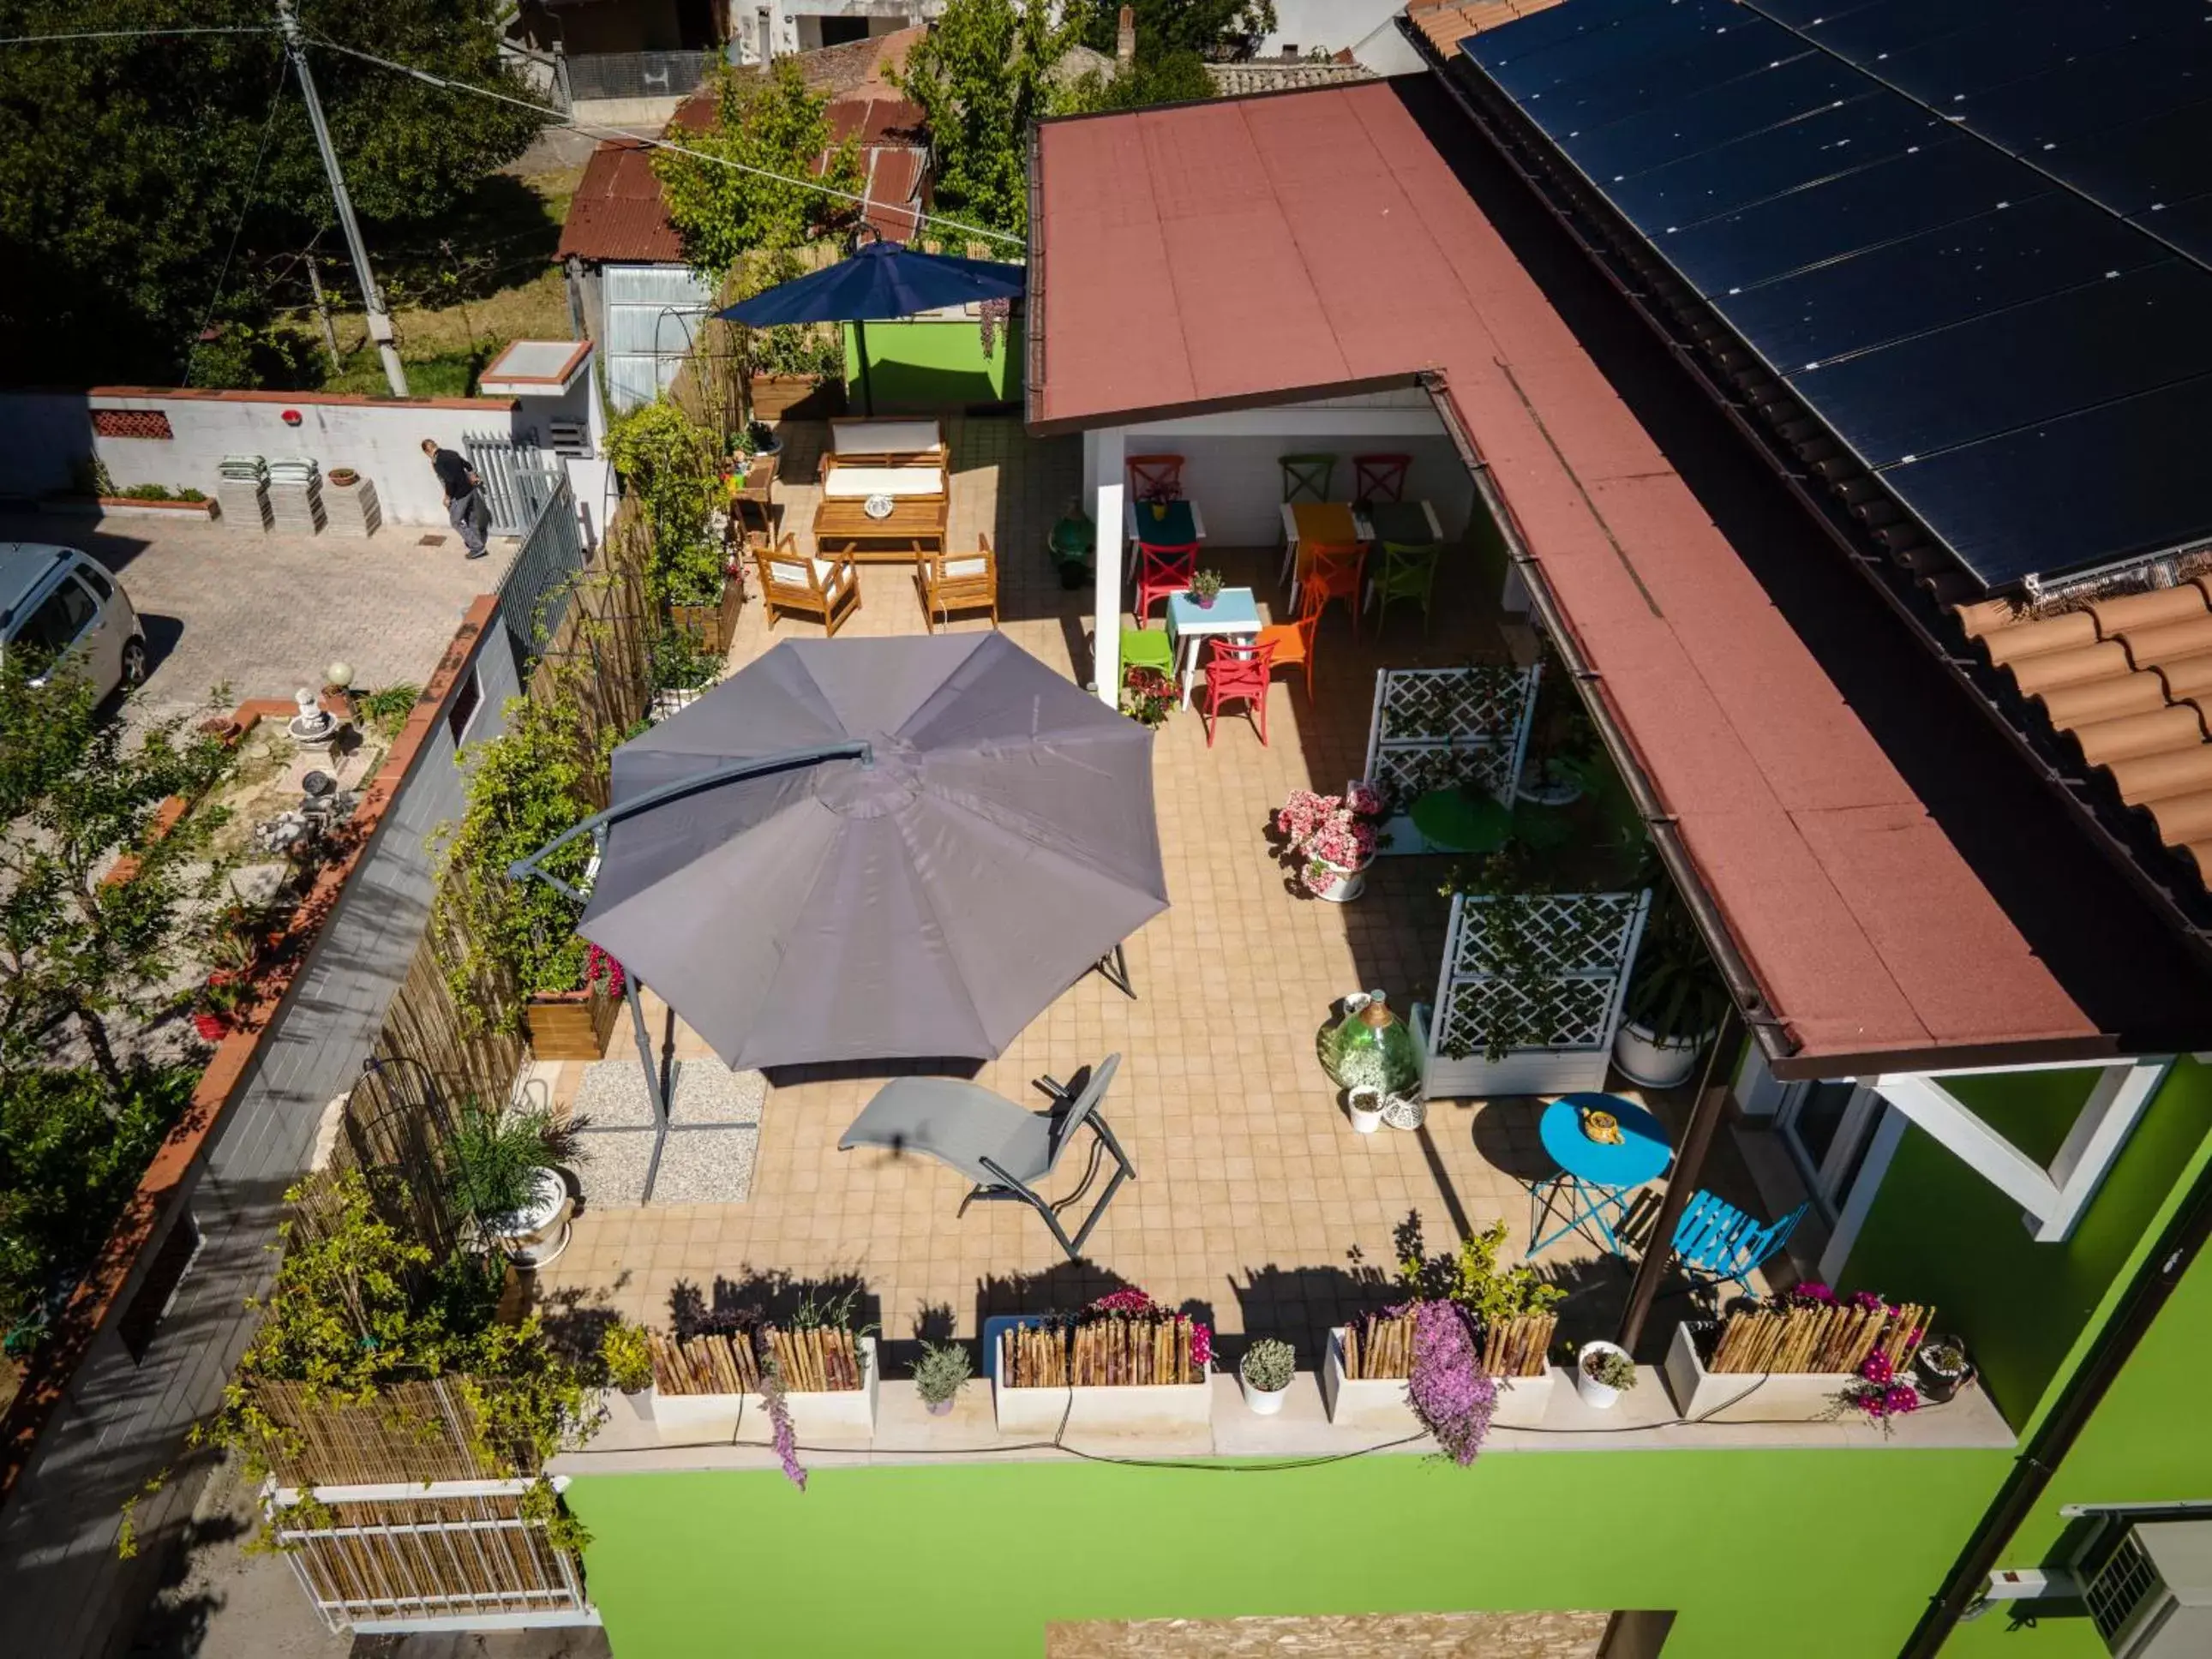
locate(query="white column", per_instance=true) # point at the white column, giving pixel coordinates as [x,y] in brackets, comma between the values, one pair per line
[1102,470]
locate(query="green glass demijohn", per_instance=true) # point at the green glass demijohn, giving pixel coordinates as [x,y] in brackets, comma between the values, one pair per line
[1371,1046]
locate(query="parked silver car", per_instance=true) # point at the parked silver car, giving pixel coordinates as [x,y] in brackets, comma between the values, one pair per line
[68,608]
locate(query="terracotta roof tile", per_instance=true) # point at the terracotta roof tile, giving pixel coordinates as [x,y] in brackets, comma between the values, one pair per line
[1447,25]
[2124,675]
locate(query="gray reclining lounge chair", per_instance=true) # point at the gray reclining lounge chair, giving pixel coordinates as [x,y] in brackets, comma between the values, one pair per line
[1003,1149]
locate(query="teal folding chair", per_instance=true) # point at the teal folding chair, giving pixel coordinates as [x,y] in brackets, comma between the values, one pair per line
[1720,1244]
[1308,477]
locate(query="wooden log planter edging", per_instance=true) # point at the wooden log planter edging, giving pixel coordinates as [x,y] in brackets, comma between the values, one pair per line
[1364,1376]
[712,1381]
[1113,1375]
[128,506]
[569,1024]
[712,626]
[1786,1362]
[103,1293]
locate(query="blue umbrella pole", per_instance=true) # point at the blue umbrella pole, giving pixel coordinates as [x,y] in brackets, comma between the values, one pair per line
[860,349]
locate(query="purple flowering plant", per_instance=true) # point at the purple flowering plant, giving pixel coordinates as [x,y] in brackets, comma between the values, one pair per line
[1447,1390]
[778,1416]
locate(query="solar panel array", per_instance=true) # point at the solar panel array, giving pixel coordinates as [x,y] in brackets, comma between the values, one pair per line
[1974,236]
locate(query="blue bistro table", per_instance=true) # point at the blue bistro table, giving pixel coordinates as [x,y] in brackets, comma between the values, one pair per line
[1594,1178]
[1234,614]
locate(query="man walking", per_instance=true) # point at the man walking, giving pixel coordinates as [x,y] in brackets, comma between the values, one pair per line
[464,501]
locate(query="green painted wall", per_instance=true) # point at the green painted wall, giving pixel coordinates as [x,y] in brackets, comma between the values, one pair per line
[1940,1233]
[2146,1444]
[933,365]
[1815,1554]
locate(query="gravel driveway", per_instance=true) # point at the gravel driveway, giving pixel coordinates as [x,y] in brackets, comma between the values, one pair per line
[264,615]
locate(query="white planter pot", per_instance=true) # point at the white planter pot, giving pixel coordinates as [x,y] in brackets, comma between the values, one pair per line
[640,1403]
[1654,1062]
[1381,1403]
[1365,1107]
[1598,1395]
[539,1231]
[843,1413]
[1263,1402]
[1792,1396]
[1541,786]
[1347,884]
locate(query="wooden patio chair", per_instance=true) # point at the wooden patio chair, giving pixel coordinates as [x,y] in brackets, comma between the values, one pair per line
[957,581]
[825,587]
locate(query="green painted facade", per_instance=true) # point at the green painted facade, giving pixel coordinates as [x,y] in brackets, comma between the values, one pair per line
[933,365]
[971,1559]
[974,1560]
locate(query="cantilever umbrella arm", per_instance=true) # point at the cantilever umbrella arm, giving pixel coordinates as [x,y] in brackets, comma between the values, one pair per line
[597,825]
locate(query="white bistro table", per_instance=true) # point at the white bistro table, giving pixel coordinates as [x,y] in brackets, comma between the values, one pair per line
[1234,614]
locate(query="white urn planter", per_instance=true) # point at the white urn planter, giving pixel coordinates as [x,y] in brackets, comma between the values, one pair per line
[537,1233]
[1599,1396]
[1645,1058]
[1365,1107]
[1344,885]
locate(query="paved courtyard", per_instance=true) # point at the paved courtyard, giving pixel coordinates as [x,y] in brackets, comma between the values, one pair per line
[1254,1199]
[263,614]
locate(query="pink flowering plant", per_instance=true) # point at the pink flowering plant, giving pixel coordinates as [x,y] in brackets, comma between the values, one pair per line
[603,972]
[1447,1388]
[1880,1394]
[1134,1303]
[1328,835]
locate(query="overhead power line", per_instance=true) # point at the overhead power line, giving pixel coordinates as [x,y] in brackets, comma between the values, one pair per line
[557,118]
[128,34]
[245,205]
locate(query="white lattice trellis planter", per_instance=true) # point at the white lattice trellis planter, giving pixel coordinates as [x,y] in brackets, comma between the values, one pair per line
[1438,728]
[1580,948]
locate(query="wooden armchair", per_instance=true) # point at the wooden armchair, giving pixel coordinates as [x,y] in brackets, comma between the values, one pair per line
[825,587]
[957,581]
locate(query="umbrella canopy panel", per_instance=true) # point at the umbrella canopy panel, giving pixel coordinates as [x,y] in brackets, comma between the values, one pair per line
[930,900]
[882,280]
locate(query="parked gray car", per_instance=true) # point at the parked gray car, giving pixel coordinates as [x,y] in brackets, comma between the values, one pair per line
[68,607]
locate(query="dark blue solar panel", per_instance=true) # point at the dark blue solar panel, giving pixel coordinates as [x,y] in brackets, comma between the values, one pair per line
[1839,139]
[1930,280]
[1753,105]
[1932,214]
[1939,184]
[2113,482]
[2067,351]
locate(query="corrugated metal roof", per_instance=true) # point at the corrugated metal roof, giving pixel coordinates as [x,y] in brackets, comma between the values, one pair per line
[1240,253]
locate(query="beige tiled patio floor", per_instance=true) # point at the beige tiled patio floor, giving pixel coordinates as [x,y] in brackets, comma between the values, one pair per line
[1254,1197]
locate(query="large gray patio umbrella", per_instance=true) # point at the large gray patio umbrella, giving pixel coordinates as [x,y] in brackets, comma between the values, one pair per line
[866,849]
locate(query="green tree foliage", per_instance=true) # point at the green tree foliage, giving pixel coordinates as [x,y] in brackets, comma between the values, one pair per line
[667,462]
[125,165]
[72,1147]
[774,123]
[1172,78]
[1209,28]
[75,794]
[983,75]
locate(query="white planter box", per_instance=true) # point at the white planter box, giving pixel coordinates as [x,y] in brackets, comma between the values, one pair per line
[841,1414]
[1523,1072]
[1795,1396]
[1128,1409]
[1381,1402]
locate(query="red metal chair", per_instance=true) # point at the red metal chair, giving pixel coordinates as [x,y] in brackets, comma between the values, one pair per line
[1238,669]
[1162,571]
[1158,478]
[1332,572]
[1379,477]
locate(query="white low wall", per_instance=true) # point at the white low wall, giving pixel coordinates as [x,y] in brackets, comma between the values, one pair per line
[45,436]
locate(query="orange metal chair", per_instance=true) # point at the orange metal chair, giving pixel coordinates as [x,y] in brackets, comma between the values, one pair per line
[1293,641]
[1237,671]
[1379,477]
[1156,477]
[1333,572]
[1162,571]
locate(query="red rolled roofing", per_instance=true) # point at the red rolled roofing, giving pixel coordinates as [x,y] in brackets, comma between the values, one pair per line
[1239,251]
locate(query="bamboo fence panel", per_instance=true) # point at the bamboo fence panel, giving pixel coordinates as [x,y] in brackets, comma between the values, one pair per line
[413,1431]
[1379,1347]
[1518,1347]
[1824,1338]
[812,1360]
[1116,1351]
[437,1554]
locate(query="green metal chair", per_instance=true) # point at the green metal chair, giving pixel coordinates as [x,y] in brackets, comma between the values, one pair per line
[1406,574]
[1147,648]
[1308,477]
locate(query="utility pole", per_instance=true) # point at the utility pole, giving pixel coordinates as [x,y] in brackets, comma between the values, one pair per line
[379,320]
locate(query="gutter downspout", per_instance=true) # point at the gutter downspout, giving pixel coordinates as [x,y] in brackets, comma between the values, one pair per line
[1033,288]
[2154,1282]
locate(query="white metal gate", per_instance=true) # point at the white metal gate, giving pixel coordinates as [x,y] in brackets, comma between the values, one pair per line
[1439,728]
[502,461]
[451,1555]
[533,594]
[1529,994]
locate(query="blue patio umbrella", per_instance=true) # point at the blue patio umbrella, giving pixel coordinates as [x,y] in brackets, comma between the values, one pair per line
[883,279]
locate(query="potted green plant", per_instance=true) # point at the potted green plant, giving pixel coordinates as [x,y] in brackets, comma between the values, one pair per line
[503,1177]
[938,1375]
[1674,1004]
[1603,1372]
[1148,696]
[628,1356]
[1205,588]
[1266,1372]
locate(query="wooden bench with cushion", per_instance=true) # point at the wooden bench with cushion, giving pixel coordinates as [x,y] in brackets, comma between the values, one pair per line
[904,461]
